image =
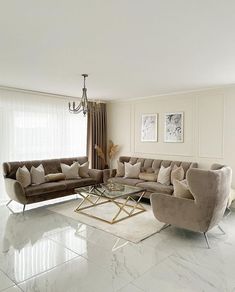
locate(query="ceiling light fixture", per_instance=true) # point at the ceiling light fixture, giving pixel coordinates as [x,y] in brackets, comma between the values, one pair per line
[83,105]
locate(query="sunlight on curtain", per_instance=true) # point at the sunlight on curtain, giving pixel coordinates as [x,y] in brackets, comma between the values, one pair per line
[38,127]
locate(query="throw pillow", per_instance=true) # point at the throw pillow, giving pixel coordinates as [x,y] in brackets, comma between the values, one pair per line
[148,176]
[132,171]
[83,170]
[70,172]
[120,169]
[37,175]
[23,176]
[177,173]
[164,175]
[181,190]
[54,177]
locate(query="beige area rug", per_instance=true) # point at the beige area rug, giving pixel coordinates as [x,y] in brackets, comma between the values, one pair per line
[134,229]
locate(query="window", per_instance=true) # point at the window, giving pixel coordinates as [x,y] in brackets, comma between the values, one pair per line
[39,127]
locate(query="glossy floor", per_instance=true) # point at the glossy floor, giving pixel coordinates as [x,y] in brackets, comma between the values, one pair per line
[43,251]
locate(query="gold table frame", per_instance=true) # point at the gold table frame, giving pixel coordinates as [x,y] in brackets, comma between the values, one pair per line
[87,197]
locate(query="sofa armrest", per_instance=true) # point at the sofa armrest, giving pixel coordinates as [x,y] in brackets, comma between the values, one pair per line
[108,173]
[15,190]
[96,174]
[179,212]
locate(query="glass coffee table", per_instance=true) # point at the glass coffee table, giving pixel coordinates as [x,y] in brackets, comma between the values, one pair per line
[124,197]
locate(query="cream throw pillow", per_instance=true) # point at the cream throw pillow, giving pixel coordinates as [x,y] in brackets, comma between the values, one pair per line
[37,175]
[71,172]
[132,171]
[177,173]
[120,169]
[83,170]
[164,175]
[181,189]
[23,176]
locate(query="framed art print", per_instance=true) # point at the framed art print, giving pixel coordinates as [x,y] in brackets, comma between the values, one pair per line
[149,128]
[174,127]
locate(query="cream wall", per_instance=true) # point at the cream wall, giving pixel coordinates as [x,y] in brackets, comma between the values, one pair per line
[209,127]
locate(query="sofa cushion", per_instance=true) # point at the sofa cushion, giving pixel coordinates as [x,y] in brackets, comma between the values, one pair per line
[132,171]
[77,183]
[23,176]
[156,187]
[126,181]
[120,169]
[45,188]
[148,176]
[181,189]
[164,175]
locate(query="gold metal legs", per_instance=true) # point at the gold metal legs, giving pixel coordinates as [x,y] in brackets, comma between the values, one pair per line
[94,200]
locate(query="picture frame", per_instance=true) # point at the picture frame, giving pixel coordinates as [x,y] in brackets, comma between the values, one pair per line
[149,128]
[174,127]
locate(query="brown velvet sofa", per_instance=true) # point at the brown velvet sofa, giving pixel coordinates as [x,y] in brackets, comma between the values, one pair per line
[146,164]
[48,190]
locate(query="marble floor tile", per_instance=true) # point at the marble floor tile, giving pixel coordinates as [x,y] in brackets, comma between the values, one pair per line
[23,262]
[130,288]
[45,251]
[178,275]
[75,275]
[13,289]
[123,258]
[5,282]
[129,261]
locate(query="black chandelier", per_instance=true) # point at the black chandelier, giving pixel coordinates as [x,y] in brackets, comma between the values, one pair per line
[83,105]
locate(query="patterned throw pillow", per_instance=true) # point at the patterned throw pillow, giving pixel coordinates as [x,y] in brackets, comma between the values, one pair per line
[148,176]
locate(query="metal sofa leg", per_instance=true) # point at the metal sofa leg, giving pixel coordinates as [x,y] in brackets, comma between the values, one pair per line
[221,229]
[23,209]
[207,241]
[8,202]
[166,225]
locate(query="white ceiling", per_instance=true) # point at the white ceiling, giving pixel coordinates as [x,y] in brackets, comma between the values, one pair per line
[130,48]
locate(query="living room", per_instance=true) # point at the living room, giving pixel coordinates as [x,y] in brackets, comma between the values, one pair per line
[117,146]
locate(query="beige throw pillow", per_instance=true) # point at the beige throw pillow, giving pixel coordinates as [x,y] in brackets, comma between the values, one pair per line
[132,171]
[181,189]
[83,170]
[70,172]
[120,169]
[37,175]
[148,176]
[54,177]
[164,175]
[23,176]
[177,173]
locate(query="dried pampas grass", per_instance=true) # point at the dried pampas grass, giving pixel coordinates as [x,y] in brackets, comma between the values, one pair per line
[100,153]
[112,149]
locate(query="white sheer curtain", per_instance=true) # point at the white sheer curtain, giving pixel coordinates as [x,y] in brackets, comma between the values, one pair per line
[38,127]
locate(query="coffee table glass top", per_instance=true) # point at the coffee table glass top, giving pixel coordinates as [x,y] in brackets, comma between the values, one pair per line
[110,190]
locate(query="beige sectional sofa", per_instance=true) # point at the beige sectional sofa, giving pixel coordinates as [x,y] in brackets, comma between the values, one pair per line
[47,190]
[152,165]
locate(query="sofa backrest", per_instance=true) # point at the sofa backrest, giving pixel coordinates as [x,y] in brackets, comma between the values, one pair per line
[155,164]
[50,165]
